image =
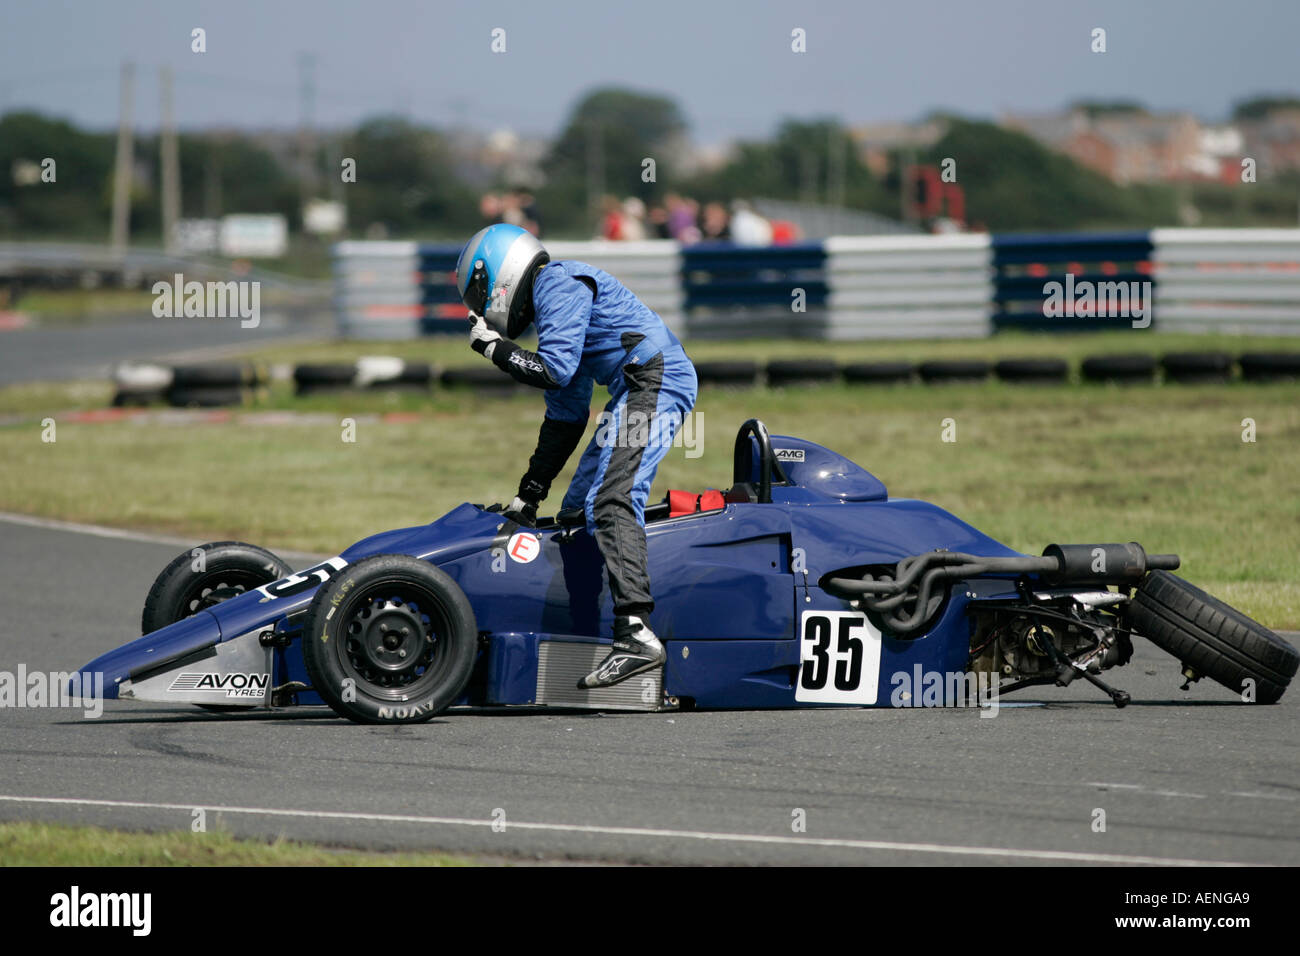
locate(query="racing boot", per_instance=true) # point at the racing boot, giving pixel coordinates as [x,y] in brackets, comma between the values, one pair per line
[636,649]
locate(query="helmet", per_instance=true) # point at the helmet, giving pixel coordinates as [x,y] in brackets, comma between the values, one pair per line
[494,275]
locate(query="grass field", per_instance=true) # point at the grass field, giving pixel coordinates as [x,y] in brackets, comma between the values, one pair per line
[1163,465]
[43,844]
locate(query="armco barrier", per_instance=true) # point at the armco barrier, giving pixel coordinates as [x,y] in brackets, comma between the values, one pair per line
[1228,280]
[870,287]
[1026,264]
[908,286]
[744,291]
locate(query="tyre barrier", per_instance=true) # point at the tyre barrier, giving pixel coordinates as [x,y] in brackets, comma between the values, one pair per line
[953,370]
[802,372]
[1196,368]
[370,371]
[1124,368]
[215,396]
[1270,366]
[1033,371]
[140,383]
[215,385]
[879,373]
[726,373]
[484,376]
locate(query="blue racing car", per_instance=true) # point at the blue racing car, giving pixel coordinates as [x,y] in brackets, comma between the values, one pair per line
[803,585]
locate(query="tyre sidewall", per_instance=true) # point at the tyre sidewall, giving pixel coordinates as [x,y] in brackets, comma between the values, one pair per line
[324,633]
[163,605]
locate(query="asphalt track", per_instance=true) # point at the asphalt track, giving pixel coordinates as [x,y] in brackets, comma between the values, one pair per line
[76,351]
[1196,777]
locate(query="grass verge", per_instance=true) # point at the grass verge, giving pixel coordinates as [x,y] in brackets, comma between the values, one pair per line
[48,844]
[1163,465]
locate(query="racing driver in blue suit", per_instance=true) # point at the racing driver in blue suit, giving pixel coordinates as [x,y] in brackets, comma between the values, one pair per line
[590,331]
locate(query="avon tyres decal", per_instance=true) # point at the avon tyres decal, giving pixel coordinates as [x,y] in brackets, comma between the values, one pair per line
[231,685]
[304,580]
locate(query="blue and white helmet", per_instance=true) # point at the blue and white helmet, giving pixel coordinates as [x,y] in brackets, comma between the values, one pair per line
[494,275]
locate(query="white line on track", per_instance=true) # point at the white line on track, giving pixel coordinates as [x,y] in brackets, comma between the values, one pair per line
[1064,856]
[1262,796]
[122,534]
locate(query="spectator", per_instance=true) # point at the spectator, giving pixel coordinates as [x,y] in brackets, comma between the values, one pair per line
[748,228]
[633,219]
[520,209]
[611,225]
[681,218]
[784,231]
[717,224]
[657,219]
[490,208]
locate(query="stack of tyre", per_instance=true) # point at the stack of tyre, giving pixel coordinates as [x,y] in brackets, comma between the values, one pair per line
[186,386]
[367,372]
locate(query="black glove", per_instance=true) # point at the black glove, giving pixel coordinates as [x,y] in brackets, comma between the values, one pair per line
[555,443]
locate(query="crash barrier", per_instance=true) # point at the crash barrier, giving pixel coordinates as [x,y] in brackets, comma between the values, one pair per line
[206,386]
[401,290]
[877,287]
[1228,280]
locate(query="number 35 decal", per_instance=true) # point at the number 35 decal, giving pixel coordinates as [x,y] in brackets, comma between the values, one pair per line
[839,658]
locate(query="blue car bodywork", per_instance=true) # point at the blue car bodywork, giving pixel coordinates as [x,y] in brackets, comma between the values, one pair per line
[741,602]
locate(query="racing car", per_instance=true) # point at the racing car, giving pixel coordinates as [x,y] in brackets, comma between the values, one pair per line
[802,585]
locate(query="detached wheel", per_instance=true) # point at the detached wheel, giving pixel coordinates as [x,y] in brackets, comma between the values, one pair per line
[390,639]
[227,569]
[1213,639]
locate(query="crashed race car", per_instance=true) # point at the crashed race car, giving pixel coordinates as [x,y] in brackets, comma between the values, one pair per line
[803,585]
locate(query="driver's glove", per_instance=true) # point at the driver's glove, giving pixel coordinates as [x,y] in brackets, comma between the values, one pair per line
[483,338]
[522,511]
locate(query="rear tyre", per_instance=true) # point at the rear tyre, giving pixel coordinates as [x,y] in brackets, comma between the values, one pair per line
[1213,639]
[390,639]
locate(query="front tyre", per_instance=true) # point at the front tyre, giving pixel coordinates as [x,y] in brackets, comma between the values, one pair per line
[390,639]
[1211,638]
[207,575]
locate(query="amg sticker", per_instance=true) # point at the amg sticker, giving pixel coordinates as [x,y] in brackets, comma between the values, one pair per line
[231,685]
[788,454]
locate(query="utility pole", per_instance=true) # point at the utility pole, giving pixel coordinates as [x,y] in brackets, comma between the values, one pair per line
[170,161]
[595,170]
[836,173]
[123,167]
[307,110]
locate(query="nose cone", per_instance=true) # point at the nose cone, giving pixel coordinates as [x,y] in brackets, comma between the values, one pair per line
[172,643]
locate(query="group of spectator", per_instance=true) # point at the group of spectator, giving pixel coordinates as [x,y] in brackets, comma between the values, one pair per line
[516,207]
[685,220]
[678,217]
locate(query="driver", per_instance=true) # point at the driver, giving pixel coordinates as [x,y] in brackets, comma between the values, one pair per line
[590,330]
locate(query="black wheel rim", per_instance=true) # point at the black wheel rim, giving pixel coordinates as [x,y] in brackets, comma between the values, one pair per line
[393,639]
[211,589]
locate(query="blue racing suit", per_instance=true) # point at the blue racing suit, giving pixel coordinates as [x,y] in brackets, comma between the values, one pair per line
[591,330]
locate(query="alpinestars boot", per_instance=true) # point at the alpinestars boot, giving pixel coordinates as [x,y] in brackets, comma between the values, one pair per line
[636,649]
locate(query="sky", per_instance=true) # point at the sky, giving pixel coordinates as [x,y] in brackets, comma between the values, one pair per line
[729,65]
